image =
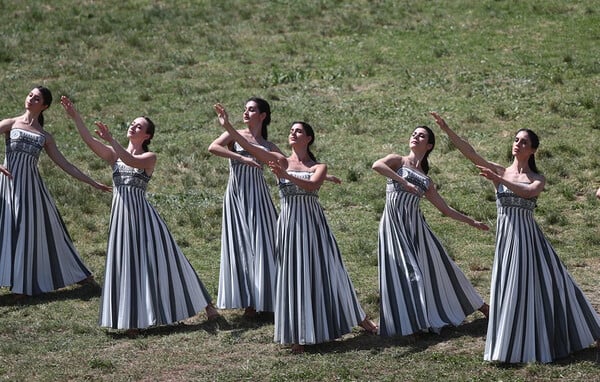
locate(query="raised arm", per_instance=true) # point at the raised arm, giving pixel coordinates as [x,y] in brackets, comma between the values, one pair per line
[68,167]
[435,198]
[527,190]
[464,147]
[598,193]
[146,160]
[312,184]
[261,155]
[105,152]
[388,167]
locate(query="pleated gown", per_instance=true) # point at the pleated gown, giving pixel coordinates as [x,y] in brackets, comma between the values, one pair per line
[537,311]
[247,269]
[148,281]
[421,287]
[315,300]
[37,254]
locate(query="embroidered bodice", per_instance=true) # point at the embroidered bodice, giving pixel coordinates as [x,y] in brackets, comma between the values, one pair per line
[124,175]
[240,150]
[506,198]
[25,142]
[287,188]
[414,177]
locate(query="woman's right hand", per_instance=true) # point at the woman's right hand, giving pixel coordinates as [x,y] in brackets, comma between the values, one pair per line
[101,187]
[5,171]
[412,188]
[439,120]
[222,114]
[250,162]
[69,107]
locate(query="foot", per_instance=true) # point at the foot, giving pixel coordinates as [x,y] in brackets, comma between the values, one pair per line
[297,349]
[18,297]
[485,309]
[132,333]
[369,326]
[88,281]
[211,312]
[250,312]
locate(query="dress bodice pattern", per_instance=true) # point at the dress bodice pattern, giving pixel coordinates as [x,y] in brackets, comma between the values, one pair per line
[506,198]
[288,188]
[124,175]
[25,142]
[416,178]
[240,150]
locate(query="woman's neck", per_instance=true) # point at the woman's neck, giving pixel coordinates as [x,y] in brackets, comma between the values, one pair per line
[135,148]
[301,155]
[520,166]
[31,119]
[415,159]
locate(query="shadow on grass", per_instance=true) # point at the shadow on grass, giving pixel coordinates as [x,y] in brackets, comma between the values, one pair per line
[415,343]
[78,292]
[590,355]
[235,324]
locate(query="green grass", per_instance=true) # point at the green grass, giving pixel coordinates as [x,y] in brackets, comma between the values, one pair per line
[364,74]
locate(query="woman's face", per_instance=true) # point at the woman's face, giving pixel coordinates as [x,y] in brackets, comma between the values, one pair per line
[35,101]
[298,135]
[252,114]
[419,139]
[137,129]
[521,147]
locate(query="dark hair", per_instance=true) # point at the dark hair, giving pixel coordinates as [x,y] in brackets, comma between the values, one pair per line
[149,130]
[309,132]
[431,141]
[535,143]
[47,97]
[263,107]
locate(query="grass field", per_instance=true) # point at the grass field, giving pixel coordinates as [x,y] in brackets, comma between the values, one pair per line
[364,74]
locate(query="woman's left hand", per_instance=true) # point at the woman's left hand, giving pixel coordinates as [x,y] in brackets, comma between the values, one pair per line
[103,131]
[488,173]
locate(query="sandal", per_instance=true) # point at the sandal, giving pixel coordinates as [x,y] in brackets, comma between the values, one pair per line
[369,326]
[297,349]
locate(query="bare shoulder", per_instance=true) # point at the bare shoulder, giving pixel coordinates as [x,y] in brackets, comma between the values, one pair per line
[273,147]
[538,177]
[6,124]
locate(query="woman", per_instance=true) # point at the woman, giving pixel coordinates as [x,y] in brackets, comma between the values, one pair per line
[315,299]
[148,281]
[247,272]
[537,311]
[421,287]
[36,251]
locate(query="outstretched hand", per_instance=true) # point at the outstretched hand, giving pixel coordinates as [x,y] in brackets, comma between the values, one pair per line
[439,120]
[103,132]
[5,171]
[488,173]
[69,107]
[222,114]
[333,179]
[277,169]
[102,187]
[481,226]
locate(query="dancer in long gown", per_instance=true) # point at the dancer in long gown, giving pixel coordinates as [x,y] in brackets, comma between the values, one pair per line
[247,270]
[315,299]
[421,287]
[37,254]
[148,281]
[537,311]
